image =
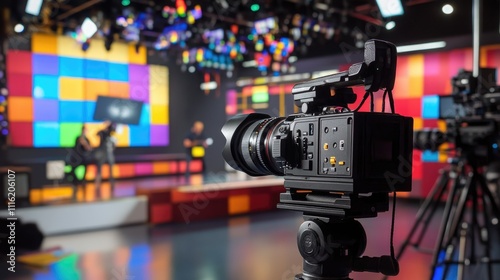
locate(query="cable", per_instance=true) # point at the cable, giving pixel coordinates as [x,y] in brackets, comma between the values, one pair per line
[393,256]
[383,101]
[362,101]
[391,101]
[372,102]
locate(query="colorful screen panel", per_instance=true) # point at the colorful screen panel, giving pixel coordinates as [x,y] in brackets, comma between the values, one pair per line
[53,92]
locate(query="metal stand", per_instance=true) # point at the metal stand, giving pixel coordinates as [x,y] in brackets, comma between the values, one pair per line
[467,187]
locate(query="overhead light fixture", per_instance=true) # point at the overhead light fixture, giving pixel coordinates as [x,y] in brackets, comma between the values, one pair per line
[447,9]
[89,28]
[421,47]
[390,8]
[33,7]
[390,25]
[18,28]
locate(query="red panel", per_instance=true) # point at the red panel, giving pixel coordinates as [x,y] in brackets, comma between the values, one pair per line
[436,73]
[195,166]
[417,165]
[431,123]
[173,167]
[19,84]
[189,211]
[260,202]
[19,62]
[182,167]
[409,106]
[21,134]
[160,213]
[429,175]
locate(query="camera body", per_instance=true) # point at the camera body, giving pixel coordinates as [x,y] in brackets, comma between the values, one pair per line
[351,152]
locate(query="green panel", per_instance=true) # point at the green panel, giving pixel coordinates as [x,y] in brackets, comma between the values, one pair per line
[260,97]
[67,169]
[68,134]
[80,172]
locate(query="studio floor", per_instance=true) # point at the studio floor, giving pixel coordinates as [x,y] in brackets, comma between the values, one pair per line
[255,247]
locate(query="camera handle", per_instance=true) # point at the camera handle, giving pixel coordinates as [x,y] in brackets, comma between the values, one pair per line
[332,249]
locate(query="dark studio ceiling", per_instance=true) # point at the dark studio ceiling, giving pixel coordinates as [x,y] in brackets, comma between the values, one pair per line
[342,21]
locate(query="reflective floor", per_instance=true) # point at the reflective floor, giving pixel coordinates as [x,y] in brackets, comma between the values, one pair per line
[256,247]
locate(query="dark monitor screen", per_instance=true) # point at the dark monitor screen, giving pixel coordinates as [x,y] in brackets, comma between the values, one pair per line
[449,109]
[118,110]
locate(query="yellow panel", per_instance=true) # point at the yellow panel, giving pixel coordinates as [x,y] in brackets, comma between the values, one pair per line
[137,57]
[238,204]
[416,87]
[418,123]
[118,53]
[158,95]
[71,88]
[158,75]
[93,88]
[122,136]
[159,114]
[20,109]
[96,50]
[44,43]
[442,155]
[67,46]
[92,129]
[441,125]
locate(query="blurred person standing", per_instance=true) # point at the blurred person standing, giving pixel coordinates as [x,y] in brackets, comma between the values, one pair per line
[104,153]
[195,143]
[79,156]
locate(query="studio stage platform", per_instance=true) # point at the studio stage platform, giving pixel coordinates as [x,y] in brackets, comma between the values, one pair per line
[152,200]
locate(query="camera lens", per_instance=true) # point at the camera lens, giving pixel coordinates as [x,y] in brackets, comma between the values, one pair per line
[249,144]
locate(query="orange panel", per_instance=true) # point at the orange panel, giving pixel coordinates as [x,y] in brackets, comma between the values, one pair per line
[44,43]
[91,171]
[119,89]
[105,171]
[127,170]
[160,167]
[238,204]
[94,88]
[21,109]
[196,166]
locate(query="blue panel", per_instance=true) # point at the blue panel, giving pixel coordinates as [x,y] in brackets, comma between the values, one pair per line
[429,156]
[46,134]
[118,72]
[46,110]
[430,107]
[89,111]
[145,115]
[96,69]
[139,135]
[45,64]
[71,67]
[46,86]
[71,111]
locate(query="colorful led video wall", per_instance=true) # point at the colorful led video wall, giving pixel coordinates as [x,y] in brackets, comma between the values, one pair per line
[53,91]
[419,78]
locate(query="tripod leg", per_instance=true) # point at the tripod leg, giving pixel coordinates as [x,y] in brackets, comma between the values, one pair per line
[461,252]
[493,202]
[431,200]
[445,220]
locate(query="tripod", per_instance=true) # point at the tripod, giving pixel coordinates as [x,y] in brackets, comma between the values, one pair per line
[466,186]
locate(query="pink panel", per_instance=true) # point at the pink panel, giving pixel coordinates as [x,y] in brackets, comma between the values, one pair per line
[143,168]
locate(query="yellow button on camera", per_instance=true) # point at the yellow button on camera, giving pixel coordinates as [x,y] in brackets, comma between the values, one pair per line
[341,163]
[333,160]
[325,146]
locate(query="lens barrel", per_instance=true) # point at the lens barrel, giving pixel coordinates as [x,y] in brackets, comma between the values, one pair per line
[249,144]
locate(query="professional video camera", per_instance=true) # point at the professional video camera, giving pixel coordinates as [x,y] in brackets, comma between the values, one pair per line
[338,164]
[472,115]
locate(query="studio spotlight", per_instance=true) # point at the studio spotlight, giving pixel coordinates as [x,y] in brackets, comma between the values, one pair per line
[447,9]
[390,8]
[18,28]
[390,25]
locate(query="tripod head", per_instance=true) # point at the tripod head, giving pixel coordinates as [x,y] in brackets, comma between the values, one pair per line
[332,249]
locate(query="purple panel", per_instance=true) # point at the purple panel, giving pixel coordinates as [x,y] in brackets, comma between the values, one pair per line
[139,91]
[159,135]
[138,73]
[46,109]
[45,64]
[143,168]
